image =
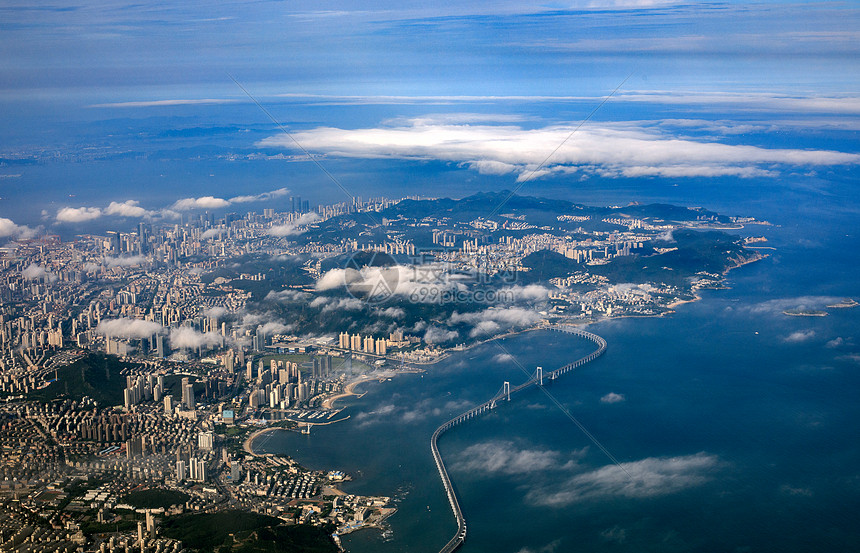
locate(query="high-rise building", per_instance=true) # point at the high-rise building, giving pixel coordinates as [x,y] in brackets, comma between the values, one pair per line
[144,231]
[150,524]
[206,441]
[114,242]
[381,347]
[259,339]
[188,400]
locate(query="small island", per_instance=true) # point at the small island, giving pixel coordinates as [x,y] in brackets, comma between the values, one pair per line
[805,313]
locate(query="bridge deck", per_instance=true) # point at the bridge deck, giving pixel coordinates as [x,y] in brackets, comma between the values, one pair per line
[460,536]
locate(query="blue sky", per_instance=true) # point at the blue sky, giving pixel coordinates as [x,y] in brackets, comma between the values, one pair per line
[154,50]
[705,90]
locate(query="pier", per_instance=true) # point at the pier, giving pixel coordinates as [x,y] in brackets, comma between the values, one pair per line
[504,395]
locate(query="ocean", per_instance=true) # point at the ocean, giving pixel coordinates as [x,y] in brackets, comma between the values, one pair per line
[736,426]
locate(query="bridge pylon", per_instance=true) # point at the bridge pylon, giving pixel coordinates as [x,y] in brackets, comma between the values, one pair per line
[507,391]
[539,376]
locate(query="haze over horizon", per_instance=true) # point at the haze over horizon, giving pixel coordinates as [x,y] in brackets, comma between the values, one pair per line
[703,91]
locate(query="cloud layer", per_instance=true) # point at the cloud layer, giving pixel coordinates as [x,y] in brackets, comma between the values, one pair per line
[650,477]
[132,209]
[504,457]
[294,227]
[8,229]
[631,149]
[127,328]
[188,338]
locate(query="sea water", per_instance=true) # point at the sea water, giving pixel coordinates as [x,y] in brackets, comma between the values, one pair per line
[735,426]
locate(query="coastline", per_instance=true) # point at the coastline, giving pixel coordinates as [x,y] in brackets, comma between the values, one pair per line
[674,304]
[248,445]
[328,403]
[741,262]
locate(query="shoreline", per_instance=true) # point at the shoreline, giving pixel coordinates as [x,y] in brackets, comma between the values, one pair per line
[248,444]
[674,304]
[349,390]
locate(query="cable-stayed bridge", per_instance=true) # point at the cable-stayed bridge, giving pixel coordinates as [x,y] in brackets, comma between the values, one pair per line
[505,393]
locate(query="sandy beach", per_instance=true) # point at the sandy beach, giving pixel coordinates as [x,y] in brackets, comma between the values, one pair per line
[249,441]
[328,403]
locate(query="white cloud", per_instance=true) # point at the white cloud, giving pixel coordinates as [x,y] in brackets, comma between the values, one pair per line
[293,227]
[78,214]
[161,103]
[491,167]
[421,283]
[435,335]
[651,477]
[752,100]
[127,328]
[287,296]
[212,233]
[128,208]
[621,149]
[215,312]
[9,228]
[612,397]
[274,327]
[801,303]
[265,196]
[212,202]
[127,261]
[188,338]
[413,412]
[456,119]
[488,322]
[203,202]
[528,293]
[337,278]
[35,272]
[484,329]
[337,304]
[800,336]
[837,342]
[393,312]
[504,457]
